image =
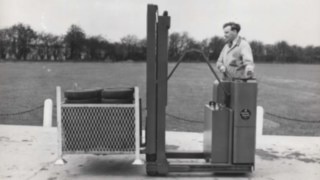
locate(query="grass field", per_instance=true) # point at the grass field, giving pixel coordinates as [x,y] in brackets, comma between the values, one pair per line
[287,90]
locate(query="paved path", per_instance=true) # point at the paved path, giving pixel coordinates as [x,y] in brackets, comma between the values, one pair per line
[29,152]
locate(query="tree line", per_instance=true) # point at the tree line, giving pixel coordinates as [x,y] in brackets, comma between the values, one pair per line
[21,43]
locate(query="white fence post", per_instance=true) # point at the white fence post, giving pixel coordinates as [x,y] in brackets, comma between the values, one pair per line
[260,114]
[60,160]
[137,160]
[47,113]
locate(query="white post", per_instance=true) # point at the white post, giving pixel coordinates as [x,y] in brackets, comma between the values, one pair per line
[260,113]
[137,160]
[47,113]
[60,160]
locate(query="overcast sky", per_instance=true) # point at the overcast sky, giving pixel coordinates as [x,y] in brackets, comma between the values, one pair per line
[296,21]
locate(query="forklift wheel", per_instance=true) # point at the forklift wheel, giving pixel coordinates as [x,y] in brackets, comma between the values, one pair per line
[84,94]
[117,93]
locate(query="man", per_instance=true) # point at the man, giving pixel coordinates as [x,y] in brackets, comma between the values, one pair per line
[235,60]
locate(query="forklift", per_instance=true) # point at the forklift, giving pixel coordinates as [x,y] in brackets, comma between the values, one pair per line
[229,120]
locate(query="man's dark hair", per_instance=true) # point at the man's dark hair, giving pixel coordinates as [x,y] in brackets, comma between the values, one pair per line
[234,26]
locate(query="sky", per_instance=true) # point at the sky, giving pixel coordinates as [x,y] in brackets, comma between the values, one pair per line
[269,21]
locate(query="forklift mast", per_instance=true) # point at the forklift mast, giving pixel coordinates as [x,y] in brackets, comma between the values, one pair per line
[157,70]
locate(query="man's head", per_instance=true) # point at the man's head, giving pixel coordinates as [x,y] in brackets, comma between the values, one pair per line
[231,31]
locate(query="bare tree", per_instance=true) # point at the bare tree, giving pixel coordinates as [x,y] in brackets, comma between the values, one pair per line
[216,44]
[97,47]
[75,41]
[4,43]
[258,50]
[20,38]
[129,44]
[178,43]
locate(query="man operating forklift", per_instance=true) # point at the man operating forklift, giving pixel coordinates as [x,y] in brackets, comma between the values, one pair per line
[235,60]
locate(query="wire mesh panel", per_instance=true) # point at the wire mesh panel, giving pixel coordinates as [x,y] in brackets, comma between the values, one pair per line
[98,129]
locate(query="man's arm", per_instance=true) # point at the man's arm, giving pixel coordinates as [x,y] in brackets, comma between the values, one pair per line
[247,58]
[219,64]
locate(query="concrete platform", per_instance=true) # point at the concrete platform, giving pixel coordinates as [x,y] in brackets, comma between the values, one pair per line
[29,153]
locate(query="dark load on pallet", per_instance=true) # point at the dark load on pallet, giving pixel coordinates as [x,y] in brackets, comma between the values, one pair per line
[120,95]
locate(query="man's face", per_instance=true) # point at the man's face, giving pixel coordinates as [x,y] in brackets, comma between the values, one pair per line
[229,35]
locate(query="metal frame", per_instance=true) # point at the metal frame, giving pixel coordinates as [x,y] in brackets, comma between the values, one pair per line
[137,130]
[157,70]
[157,61]
[151,83]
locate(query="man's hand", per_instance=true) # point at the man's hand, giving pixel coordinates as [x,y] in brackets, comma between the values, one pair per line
[249,72]
[222,69]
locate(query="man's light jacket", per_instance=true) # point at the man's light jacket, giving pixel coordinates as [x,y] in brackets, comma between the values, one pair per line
[237,59]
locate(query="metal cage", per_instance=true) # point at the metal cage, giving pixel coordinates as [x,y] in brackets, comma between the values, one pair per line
[99,128]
